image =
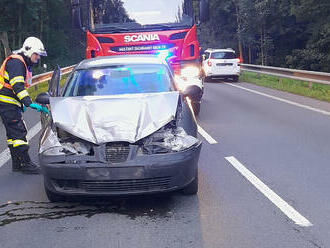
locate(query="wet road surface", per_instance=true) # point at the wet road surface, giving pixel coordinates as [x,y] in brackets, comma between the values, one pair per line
[285,146]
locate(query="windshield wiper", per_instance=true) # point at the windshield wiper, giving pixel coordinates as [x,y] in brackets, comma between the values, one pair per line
[166,26]
[112,28]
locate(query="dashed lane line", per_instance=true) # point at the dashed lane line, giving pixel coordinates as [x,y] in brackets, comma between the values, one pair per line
[283,100]
[289,211]
[5,155]
[206,135]
[199,128]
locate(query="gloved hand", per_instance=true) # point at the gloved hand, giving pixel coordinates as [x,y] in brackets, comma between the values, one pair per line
[45,110]
[39,108]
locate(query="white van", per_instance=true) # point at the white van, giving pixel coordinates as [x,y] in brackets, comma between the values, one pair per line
[221,63]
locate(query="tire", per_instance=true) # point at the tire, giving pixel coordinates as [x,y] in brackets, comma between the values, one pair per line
[191,188]
[53,197]
[207,79]
[196,107]
[202,73]
[235,78]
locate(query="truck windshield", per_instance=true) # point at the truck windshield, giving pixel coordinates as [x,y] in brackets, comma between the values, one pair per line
[123,15]
[117,80]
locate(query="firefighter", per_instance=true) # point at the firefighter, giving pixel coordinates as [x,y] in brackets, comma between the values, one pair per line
[15,76]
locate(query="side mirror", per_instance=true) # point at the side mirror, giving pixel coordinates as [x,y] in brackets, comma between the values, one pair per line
[204,9]
[194,92]
[76,14]
[54,84]
[42,98]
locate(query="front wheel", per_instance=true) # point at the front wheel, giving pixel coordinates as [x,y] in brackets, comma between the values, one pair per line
[53,197]
[191,188]
[196,107]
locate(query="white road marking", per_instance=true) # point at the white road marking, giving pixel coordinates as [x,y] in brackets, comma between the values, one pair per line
[206,135]
[271,195]
[283,100]
[5,155]
[199,128]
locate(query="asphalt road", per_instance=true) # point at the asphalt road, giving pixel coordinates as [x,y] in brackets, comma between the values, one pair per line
[284,144]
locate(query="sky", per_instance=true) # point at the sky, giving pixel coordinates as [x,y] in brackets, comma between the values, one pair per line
[156,11]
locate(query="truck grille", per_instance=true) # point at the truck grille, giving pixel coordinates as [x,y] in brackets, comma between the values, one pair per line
[117,152]
[148,184]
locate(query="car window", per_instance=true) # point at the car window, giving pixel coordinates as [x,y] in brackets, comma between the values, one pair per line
[207,55]
[119,80]
[223,55]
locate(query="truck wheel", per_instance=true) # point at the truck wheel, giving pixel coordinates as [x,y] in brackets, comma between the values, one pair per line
[206,79]
[196,107]
[191,188]
[53,197]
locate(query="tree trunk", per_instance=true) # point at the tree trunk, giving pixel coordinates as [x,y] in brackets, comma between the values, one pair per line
[250,55]
[5,43]
[262,45]
[20,29]
[91,14]
[41,31]
[240,48]
[41,24]
[14,40]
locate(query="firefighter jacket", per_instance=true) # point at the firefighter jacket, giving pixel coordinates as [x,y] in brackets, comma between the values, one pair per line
[15,74]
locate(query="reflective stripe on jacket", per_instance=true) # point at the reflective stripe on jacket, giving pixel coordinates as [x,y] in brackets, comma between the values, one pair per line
[5,77]
[9,92]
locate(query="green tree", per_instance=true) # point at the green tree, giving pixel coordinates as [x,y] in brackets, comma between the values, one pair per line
[315,52]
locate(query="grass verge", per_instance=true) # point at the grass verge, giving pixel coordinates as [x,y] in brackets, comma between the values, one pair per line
[43,87]
[318,91]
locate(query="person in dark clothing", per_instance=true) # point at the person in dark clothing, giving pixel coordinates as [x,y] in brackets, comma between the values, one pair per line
[15,77]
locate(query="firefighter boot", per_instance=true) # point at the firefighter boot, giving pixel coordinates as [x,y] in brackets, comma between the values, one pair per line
[16,162]
[28,167]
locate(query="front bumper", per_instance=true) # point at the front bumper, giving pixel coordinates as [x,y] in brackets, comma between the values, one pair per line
[142,175]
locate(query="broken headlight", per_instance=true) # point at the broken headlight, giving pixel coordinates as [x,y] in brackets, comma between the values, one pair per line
[63,143]
[168,140]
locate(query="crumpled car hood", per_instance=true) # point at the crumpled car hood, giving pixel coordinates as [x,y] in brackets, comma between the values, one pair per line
[102,119]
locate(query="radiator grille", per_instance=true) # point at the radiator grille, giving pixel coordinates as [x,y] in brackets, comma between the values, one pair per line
[116,152]
[126,185]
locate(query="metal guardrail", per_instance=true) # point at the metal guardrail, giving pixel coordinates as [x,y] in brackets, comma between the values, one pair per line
[48,75]
[308,76]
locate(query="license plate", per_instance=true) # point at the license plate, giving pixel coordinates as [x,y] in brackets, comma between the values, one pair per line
[224,64]
[115,173]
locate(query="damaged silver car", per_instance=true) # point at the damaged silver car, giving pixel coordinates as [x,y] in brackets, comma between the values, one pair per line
[119,126]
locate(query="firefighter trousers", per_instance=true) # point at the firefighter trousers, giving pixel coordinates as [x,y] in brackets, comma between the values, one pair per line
[16,134]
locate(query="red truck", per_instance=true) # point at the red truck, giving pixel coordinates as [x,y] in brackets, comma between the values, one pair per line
[164,27]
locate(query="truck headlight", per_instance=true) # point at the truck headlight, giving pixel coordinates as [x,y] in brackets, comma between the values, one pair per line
[190,71]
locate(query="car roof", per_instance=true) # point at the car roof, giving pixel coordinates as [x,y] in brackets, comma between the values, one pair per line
[220,50]
[104,61]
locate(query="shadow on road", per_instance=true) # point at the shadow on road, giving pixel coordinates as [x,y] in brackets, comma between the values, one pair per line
[219,80]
